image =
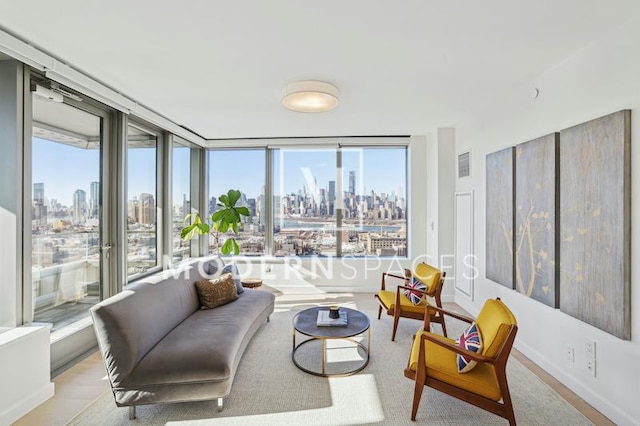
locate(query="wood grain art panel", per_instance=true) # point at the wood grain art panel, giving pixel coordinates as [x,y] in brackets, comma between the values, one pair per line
[499,239]
[595,223]
[535,223]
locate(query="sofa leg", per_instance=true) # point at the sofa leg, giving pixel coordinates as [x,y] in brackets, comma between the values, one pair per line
[220,404]
[132,412]
[269,318]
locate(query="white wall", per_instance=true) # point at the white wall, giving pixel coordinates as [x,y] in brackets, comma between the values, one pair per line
[600,79]
[24,368]
[446,207]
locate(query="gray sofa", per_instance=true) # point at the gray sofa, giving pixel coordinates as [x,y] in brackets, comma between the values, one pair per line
[158,346]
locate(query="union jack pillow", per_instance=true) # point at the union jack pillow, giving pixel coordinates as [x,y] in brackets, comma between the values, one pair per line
[471,341]
[415,296]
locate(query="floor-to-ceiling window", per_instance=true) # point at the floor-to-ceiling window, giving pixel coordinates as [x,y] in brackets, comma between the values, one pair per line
[326,201]
[142,195]
[75,177]
[304,202]
[244,170]
[181,197]
[66,210]
[374,182]
[348,201]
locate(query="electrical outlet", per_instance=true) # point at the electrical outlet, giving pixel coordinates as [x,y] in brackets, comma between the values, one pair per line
[591,367]
[590,349]
[569,354]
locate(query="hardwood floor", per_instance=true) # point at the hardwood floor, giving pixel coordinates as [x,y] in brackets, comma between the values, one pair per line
[75,389]
[80,385]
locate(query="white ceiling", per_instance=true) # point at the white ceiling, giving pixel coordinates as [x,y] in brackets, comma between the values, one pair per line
[402,67]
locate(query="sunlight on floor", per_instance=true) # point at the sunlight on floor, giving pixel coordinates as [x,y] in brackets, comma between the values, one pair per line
[343,350]
[292,301]
[355,401]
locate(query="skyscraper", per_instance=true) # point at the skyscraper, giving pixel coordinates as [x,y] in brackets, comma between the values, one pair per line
[133,210]
[186,206]
[79,207]
[39,207]
[147,209]
[251,205]
[38,193]
[332,196]
[94,199]
[352,182]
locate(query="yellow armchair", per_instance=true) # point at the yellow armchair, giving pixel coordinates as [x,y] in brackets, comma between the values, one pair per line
[433,362]
[397,305]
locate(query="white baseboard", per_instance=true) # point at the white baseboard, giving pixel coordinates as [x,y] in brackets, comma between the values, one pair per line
[27,404]
[597,401]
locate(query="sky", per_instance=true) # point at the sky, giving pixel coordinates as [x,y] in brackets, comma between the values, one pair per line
[64,169]
[378,169]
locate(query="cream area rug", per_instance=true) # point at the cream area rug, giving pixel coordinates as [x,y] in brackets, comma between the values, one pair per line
[270,390]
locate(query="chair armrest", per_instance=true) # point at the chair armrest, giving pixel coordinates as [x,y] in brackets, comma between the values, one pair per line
[393,275]
[473,355]
[451,314]
[384,279]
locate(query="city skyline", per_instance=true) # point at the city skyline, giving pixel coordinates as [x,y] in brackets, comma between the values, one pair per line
[295,166]
[319,164]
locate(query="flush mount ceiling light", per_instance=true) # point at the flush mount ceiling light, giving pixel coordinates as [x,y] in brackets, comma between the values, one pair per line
[310,96]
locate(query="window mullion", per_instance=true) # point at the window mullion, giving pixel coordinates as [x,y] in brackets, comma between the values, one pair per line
[268,203]
[341,195]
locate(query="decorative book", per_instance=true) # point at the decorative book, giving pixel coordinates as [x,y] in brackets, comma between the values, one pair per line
[325,321]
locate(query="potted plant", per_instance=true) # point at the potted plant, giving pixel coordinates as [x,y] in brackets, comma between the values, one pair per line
[228,216]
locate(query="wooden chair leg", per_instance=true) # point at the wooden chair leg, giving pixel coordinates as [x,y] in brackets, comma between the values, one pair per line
[379,311]
[417,395]
[508,407]
[444,327]
[395,328]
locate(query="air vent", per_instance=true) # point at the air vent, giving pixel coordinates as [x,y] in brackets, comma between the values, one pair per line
[463,165]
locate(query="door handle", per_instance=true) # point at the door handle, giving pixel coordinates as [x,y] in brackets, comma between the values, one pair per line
[106,249]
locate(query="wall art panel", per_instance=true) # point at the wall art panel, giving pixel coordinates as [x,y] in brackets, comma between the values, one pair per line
[595,223]
[499,210]
[535,219]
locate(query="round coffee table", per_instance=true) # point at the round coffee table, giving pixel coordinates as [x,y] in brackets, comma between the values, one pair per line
[305,322]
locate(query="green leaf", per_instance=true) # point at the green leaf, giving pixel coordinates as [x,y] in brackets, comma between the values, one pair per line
[228,247]
[195,216]
[224,200]
[234,196]
[221,215]
[234,226]
[223,226]
[203,228]
[243,211]
[236,246]
[188,232]
[235,217]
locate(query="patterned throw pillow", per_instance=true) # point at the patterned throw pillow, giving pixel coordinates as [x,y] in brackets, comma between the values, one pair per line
[471,341]
[415,296]
[216,292]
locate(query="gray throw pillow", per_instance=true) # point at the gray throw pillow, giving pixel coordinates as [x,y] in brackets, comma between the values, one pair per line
[213,266]
[233,270]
